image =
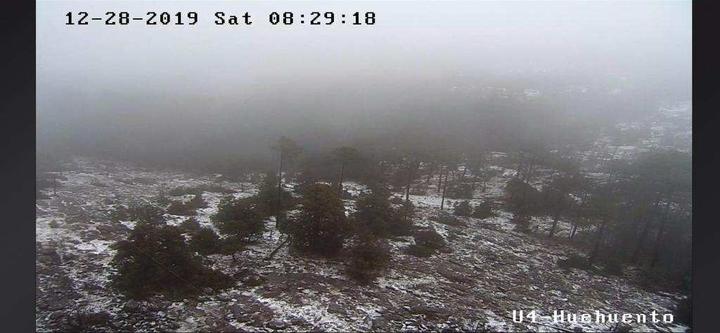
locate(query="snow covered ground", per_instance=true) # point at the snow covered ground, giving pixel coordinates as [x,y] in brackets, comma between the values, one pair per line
[491,271]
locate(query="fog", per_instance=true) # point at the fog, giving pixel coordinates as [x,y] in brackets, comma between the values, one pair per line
[495,74]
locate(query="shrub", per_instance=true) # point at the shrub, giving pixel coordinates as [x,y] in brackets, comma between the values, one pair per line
[613,266]
[368,259]
[180,208]
[138,213]
[183,190]
[187,208]
[573,261]
[403,225]
[522,223]
[156,260]
[321,226]
[205,241]
[463,209]
[267,197]
[448,219]
[521,197]
[456,190]
[239,218]
[375,214]
[190,225]
[427,243]
[482,211]
[397,200]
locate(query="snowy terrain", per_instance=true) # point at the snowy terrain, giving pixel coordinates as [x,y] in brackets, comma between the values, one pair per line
[491,271]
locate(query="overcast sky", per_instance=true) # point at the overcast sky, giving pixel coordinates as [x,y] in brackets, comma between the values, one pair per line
[138,73]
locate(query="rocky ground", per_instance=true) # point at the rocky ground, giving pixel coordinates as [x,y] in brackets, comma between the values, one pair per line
[490,271]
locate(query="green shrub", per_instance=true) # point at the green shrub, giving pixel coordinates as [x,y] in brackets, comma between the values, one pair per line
[522,223]
[187,208]
[427,243]
[180,208]
[239,218]
[367,260]
[156,260]
[483,211]
[374,214]
[138,213]
[190,225]
[267,197]
[456,190]
[573,261]
[463,209]
[321,226]
[448,219]
[205,241]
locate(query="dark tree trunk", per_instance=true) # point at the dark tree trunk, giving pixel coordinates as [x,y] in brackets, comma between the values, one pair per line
[408,181]
[272,254]
[573,231]
[340,181]
[598,241]
[442,200]
[643,234]
[431,172]
[279,194]
[440,181]
[555,222]
[660,234]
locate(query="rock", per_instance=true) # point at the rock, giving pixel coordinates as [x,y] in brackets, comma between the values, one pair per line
[240,313]
[56,315]
[296,320]
[277,324]
[253,280]
[336,308]
[132,306]
[430,312]
[379,323]
[258,319]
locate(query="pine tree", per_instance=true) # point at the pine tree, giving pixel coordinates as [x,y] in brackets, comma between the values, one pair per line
[321,226]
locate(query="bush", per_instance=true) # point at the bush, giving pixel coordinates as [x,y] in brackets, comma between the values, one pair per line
[190,226]
[522,223]
[183,190]
[463,209]
[267,197]
[321,226]
[613,266]
[205,241]
[367,260]
[187,208]
[156,260]
[482,211]
[427,243]
[521,197]
[448,219]
[457,190]
[573,261]
[375,214]
[397,200]
[138,213]
[239,218]
[403,225]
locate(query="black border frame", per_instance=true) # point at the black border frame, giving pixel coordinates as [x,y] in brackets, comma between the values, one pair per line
[706,229]
[17,236]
